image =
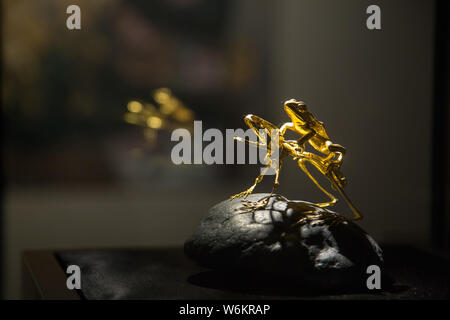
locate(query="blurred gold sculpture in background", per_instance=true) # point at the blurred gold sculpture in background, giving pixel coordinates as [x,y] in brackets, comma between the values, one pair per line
[170,114]
[311,131]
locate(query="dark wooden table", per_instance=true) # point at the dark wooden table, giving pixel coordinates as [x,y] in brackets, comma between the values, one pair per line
[165,273]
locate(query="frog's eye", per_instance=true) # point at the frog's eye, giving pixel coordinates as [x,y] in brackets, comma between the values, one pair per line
[291,104]
[295,106]
[301,105]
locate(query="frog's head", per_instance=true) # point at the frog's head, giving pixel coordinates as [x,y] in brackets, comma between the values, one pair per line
[294,108]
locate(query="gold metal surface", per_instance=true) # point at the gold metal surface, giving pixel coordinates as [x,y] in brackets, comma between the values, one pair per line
[328,162]
[168,113]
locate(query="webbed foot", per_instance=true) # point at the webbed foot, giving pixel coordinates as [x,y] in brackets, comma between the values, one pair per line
[251,206]
[243,194]
[320,218]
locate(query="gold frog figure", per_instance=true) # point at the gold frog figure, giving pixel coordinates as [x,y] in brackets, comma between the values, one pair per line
[311,131]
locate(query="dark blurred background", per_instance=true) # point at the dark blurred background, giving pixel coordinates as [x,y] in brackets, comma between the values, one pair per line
[78,175]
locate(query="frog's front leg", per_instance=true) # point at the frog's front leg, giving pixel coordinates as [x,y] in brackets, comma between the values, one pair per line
[256,124]
[286,126]
[264,201]
[250,206]
[246,193]
[269,165]
[277,168]
[306,138]
[336,153]
[302,140]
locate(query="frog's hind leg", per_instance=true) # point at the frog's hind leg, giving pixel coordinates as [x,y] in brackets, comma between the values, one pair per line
[302,165]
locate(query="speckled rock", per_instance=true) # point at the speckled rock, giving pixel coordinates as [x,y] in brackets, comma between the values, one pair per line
[324,250]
